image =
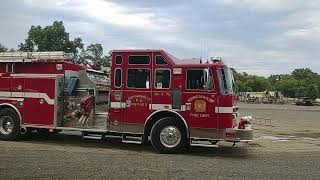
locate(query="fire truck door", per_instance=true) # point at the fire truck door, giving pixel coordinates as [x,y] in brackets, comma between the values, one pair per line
[200,102]
[39,101]
[136,92]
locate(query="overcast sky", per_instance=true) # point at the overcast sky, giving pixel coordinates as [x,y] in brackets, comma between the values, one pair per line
[260,37]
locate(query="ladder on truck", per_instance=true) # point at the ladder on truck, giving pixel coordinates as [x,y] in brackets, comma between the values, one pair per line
[25,57]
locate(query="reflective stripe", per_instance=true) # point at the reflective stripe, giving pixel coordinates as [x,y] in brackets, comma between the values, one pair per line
[35,75]
[169,106]
[11,99]
[118,105]
[5,94]
[15,95]
[160,106]
[224,110]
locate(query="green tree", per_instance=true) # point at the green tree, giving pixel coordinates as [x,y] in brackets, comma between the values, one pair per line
[313,91]
[51,38]
[94,53]
[301,92]
[303,73]
[3,48]
[301,82]
[245,82]
[287,85]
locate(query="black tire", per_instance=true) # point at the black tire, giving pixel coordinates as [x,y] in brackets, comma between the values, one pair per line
[8,115]
[174,124]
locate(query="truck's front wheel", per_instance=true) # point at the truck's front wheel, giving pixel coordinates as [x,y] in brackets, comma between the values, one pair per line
[168,135]
[9,124]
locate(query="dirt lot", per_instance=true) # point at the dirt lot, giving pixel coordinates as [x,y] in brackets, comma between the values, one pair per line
[293,128]
[288,149]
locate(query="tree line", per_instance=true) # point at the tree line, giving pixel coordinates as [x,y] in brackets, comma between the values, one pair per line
[301,82]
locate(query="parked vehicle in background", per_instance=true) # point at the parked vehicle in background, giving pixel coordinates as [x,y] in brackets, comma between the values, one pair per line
[305,101]
[265,97]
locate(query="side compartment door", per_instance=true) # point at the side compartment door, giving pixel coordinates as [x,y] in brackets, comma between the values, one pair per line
[5,86]
[39,101]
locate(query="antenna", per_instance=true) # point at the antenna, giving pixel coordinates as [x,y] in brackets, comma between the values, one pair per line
[201,49]
[207,51]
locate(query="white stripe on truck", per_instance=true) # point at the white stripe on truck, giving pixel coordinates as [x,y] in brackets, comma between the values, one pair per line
[14,95]
[224,109]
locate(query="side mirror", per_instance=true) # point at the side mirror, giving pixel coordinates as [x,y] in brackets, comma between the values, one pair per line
[208,80]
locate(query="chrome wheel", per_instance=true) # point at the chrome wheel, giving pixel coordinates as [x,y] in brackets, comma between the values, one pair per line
[170,136]
[6,125]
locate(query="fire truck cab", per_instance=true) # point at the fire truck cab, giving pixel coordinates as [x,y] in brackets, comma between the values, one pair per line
[146,95]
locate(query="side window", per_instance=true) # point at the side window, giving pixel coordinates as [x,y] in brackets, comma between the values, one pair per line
[139,59]
[162,79]
[118,78]
[138,78]
[118,59]
[200,79]
[160,60]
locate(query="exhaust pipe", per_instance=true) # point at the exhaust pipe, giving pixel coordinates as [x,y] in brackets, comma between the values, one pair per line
[23,130]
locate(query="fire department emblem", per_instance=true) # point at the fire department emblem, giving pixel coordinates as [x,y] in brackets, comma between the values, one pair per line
[200,105]
[118,96]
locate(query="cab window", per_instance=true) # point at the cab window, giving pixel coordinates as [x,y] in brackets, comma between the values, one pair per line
[162,79]
[118,59]
[140,60]
[200,79]
[160,60]
[138,78]
[117,78]
[226,81]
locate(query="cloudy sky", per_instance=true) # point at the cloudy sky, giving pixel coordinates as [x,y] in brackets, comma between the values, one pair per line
[261,37]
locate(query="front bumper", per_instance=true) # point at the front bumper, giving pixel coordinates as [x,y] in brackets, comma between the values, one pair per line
[244,134]
[239,135]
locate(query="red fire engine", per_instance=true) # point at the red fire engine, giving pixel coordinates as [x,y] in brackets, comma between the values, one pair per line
[146,95]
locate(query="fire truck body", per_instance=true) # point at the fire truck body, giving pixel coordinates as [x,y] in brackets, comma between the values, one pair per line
[149,95]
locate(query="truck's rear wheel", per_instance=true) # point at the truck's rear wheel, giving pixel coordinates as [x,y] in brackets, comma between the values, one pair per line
[9,124]
[168,135]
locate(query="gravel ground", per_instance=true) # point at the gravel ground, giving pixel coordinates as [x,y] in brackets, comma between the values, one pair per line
[66,157]
[275,154]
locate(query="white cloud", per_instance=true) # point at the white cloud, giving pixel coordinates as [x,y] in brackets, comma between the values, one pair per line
[277,41]
[312,33]
[297,29]
[266,5]
[45,4]
[112,13]
[303,25]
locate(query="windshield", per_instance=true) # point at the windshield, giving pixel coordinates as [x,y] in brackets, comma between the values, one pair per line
[226,81]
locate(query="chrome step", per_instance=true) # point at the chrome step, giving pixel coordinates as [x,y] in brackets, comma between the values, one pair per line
[131,139]
[125,137]
[204,145]
[100,136]
[93,136]
[101,114]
